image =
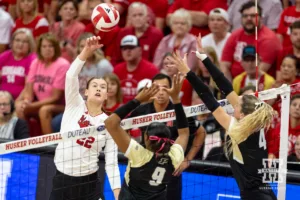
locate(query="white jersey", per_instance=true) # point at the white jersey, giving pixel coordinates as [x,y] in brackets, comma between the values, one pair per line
[80,157]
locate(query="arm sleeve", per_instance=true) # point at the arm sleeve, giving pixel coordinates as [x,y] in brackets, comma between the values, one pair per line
[21,130]
[203,91]
[176,154]
[222,82]
[111,163]
[137,154]
[72,95]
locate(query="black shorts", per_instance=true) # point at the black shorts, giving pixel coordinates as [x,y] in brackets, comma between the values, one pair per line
[174,189]
[76,188]
[258,194]
[126,194]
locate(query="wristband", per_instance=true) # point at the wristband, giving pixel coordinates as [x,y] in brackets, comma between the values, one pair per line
[181,120]
[201,56]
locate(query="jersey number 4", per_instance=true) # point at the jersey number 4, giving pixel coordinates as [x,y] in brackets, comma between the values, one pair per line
[262,139]
[86,142]
[157,176]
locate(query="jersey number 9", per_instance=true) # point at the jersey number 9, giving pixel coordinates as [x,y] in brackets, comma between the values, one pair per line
[157,176]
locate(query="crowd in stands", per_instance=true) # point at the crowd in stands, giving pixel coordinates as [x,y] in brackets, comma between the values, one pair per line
[39,40]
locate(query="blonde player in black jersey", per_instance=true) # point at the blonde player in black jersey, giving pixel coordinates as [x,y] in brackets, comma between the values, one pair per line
[245,139]
[150,169]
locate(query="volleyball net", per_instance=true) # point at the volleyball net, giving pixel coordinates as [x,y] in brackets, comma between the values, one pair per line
[27,167]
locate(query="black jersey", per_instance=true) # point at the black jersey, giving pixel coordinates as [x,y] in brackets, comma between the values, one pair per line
[149,108]
[254,151]
[147,175]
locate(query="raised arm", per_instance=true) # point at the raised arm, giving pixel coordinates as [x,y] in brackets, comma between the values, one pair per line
[181,120]
[112,123]
[72,94]
[202,90]
[222,82]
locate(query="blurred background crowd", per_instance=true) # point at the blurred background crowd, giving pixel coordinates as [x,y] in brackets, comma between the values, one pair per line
[39,39]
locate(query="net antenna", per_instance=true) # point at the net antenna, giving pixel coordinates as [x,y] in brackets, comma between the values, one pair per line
[284,120]
[256,48]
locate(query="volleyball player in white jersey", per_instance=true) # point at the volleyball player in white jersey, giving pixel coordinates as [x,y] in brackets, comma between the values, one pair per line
[150,168]
[77,161]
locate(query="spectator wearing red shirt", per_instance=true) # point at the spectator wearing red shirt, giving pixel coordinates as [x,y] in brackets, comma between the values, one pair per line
[199,10]
[270,15]
[288,17]
[68,29]
[29,18]
[180,39]
[273,138]
[290,50]
[268,44]
[149,36]
[289,70]
[134,69]
[108,39]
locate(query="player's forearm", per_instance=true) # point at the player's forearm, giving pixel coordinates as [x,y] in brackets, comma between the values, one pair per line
[203,91]
[116,193]
[111,164]
[197,144]
[74,69]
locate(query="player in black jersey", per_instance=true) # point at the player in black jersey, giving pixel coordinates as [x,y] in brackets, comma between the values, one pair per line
[150,169]
[245,138]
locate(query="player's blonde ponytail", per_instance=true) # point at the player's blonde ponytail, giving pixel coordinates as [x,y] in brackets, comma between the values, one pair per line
[258,115]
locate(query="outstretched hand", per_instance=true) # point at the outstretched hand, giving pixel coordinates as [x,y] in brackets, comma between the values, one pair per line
[176,87]
[147,93]
[178,62]
[199,45]
[91,45]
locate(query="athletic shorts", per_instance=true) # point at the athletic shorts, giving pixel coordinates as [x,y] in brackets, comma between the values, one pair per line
[258,194]
[76,188]
[126,194]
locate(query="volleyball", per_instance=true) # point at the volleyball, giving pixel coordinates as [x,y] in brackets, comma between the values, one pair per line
[105,17]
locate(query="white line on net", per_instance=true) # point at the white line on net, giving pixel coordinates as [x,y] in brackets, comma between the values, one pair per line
[54,138]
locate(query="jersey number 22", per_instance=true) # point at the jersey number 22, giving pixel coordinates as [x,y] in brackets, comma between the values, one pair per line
[86,142]
[157,176]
